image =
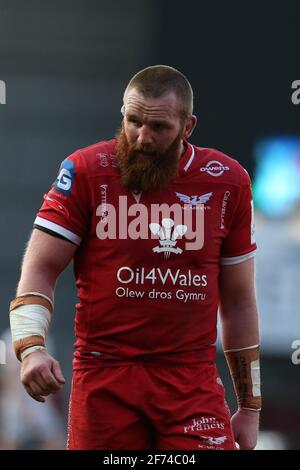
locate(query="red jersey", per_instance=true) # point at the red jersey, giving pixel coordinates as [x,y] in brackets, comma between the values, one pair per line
[145,294]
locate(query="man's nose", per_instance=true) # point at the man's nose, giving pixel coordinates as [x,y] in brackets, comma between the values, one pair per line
[144,137]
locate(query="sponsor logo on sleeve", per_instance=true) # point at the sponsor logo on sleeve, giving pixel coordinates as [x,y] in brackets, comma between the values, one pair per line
[65,178]
[56,205]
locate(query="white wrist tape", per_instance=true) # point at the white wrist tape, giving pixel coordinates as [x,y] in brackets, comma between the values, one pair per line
[29,320]
[32,349]
[245,371]
[29,325]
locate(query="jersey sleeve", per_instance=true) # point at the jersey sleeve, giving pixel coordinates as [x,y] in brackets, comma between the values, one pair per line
[239,245]
[65,211]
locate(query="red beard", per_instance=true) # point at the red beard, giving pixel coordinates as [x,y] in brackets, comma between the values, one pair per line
[144,170]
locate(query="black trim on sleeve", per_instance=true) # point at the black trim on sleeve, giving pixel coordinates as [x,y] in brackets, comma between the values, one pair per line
[54,234]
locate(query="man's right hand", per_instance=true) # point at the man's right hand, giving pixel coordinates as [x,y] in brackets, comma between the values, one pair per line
[41,375]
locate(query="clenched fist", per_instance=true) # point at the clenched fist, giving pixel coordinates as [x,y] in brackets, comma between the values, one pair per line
[245,425]
[41,375]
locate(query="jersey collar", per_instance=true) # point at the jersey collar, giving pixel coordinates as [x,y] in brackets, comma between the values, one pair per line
[187,158]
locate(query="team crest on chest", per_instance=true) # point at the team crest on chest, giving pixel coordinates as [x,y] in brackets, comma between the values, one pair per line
[168,234]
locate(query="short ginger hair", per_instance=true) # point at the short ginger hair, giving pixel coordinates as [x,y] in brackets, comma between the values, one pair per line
[159,80]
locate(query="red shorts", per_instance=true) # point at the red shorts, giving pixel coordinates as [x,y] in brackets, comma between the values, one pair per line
[138,407]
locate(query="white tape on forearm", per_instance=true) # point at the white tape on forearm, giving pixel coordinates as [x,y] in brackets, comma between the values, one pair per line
[244,368]
[29,320]
[255,377]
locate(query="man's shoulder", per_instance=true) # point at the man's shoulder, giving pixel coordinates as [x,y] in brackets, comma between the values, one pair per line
[216,164]
[94,159]
[102,152]
[215,157]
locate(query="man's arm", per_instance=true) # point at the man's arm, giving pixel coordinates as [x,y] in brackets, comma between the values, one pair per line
[45,258]
[238,309]
[240,335]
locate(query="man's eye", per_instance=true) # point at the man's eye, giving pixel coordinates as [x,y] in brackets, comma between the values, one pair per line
[133,121]
[158,126]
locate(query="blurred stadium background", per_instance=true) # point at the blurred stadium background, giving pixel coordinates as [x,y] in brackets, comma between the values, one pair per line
[65,64]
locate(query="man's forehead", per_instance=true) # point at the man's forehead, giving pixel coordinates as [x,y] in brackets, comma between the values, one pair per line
[165,106]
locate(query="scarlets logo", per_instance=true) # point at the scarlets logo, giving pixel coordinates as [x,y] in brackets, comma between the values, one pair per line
[194,200]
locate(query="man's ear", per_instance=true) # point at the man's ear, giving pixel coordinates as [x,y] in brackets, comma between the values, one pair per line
[190,125]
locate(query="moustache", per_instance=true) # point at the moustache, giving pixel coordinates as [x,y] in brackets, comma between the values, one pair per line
[142,150]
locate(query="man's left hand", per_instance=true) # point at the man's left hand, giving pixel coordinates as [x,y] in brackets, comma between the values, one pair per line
[245,424]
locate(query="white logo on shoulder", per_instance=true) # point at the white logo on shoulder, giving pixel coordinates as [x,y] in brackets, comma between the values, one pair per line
[214,168]
[64,179]
[194,200]
[167,242]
